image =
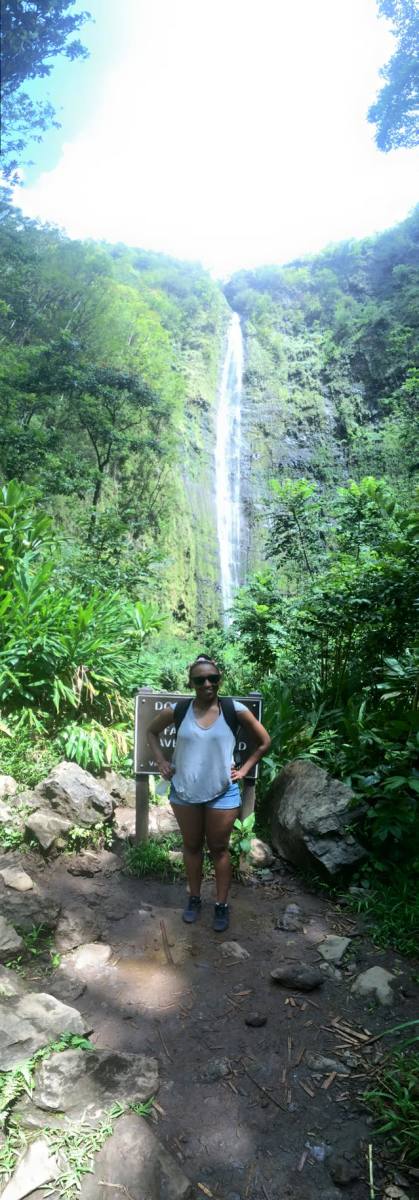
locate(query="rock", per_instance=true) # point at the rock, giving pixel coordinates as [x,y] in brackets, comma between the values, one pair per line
[298,975]
[120,788]
[134,1161]
[176,857]
[233,950]
[322,1065]
[46,827]
[10,942]
[162,821]
[76,795]
[92,862]
[260,854]
[19,880]
[64,986]
[6,817]
[92,1081]
[218,1068]
[26,909]
[31,1021]
[8,786]
[291,919]
[375,984]
[37,1168]
[124,822]
[333,948]
[331,972]
[91,957]
[75,927]
[10,984]
[343,1169]
[310,815]
[255,1020]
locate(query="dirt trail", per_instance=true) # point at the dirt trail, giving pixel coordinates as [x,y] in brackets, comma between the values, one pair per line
[238,1105]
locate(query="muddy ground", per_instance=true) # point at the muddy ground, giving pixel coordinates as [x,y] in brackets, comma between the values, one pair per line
[238,1105]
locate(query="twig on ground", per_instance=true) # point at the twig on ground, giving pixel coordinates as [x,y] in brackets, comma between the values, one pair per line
[371,1173]
[166,1051]
[166,946]
[263,1089]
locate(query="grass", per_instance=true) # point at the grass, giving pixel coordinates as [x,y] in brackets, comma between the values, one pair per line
[152,858]
[391,908]
[38,942]
[394,1101]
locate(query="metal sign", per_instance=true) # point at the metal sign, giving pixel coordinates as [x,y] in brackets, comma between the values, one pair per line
[148,704]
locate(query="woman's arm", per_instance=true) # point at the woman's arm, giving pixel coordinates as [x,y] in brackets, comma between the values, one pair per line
[163,719]
[260,735]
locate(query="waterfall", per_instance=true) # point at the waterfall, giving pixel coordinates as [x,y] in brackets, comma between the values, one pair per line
[227,464]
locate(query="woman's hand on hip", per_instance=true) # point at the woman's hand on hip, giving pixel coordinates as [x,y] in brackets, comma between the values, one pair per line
[166,768]
[236,774]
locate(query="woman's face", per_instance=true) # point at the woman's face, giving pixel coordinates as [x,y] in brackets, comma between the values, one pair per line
[205,678]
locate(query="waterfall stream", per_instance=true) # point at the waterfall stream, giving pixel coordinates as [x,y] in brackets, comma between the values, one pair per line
[227,464]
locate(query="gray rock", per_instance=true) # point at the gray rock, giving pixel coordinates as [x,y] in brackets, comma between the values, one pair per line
[75,927]
[136,1163]
[161,821]
[343,1169]
[333,948]
[26,909]
[311,813]
[298,975]
[375,983]
[291,919]
[93,956]
[31,1021]
[5,814]
[218,1068]
[233,950]
[10,942]
[89,1082]
[260,854]
[255,1020]
[76,795]
[8,786]
[322,1065]
[124,822]
[19,880]
[37,1168]
[10,983]
[121,789]
[65,986]
[331,972]
[47,827]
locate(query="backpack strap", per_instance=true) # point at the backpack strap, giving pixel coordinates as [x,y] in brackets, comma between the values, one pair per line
[179,712]
[227,708]
[229,713]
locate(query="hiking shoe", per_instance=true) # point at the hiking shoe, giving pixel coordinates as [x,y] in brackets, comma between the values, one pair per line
[221,918]
[192,910]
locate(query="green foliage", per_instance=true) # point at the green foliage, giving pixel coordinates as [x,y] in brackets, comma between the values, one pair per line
[394,1099]
[152,858]
[97,836]
[241,839]
[395,112]
[389,900]
[32,34]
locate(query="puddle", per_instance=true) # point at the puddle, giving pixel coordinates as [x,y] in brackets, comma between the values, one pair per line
[149,985]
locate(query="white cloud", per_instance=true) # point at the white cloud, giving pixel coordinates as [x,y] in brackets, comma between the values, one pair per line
[236,133]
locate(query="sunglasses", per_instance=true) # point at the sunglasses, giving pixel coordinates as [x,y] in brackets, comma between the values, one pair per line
[198,680]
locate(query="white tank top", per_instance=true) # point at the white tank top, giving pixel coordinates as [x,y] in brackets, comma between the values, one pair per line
[203,758]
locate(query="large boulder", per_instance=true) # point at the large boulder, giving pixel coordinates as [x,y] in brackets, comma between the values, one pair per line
[29,1022]
[119,787]
[76,795]
[311,817]
[26,909]
[8,786]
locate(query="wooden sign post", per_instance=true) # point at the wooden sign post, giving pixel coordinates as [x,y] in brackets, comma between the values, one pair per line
[147,704]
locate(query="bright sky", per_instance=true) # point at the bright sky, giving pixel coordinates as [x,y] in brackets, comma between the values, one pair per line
[229,131]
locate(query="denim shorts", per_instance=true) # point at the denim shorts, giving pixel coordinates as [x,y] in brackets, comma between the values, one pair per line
[229,799]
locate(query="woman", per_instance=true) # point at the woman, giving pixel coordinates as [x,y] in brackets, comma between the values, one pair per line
[204,792]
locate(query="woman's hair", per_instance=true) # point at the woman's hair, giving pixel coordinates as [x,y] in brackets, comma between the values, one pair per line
[202,658]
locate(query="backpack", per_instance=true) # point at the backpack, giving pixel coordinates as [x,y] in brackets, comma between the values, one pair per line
[227,708]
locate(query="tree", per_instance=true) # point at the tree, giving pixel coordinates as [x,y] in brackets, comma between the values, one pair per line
[396,110]
[33,33]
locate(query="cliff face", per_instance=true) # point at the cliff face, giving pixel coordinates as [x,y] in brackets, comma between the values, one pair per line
[331,375]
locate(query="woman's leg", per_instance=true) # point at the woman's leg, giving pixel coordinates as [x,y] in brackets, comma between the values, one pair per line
[191,821]
[218,825]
